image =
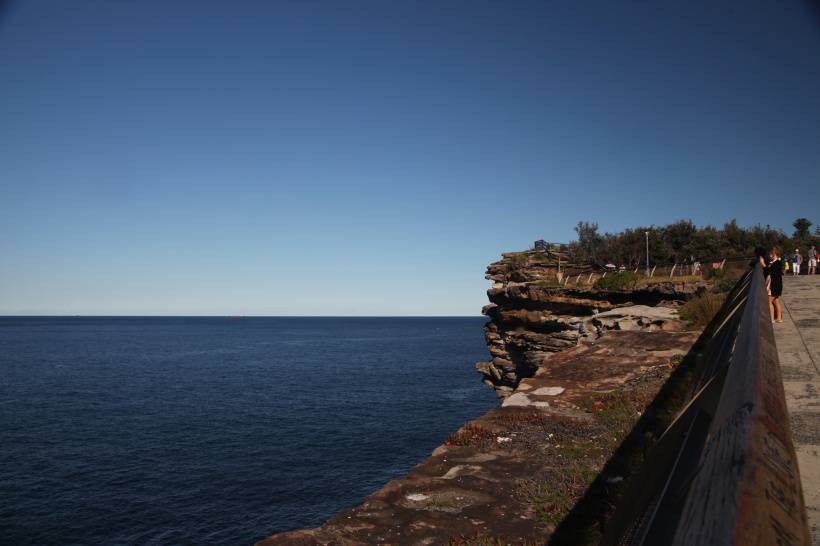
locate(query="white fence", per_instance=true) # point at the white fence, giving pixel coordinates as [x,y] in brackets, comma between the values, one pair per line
[659,273]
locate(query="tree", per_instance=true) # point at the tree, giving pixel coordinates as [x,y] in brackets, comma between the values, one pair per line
[801,227]
[589,241]
[708,243]
[737,239]
[678,242]
[678,237]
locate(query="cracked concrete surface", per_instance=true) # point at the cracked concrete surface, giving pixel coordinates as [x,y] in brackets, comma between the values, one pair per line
[798,347]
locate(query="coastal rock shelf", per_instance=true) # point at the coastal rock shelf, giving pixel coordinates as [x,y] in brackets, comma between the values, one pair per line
[579,371]
[533,315]
[515,473]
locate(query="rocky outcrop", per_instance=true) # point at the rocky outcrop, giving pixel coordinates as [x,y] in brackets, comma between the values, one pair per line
[512,475]
[535,312]
[587,366]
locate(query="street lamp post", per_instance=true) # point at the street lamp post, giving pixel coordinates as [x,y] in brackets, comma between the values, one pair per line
[647,253]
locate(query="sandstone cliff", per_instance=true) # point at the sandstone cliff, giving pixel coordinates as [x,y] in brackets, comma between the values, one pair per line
[541,304]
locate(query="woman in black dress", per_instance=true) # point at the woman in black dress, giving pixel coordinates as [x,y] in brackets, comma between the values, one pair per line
[774,283]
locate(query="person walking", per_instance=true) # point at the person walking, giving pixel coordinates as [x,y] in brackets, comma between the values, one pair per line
[774,284]
[797,259]
[812,261]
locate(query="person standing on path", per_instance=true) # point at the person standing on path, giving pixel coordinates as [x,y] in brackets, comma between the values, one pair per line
[797,259]
[812,261]
[774,284]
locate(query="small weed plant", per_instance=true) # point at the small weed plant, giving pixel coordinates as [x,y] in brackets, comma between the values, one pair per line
[470,434]
[479,539]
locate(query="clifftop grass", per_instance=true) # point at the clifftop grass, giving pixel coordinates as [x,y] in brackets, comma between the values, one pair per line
[623,280]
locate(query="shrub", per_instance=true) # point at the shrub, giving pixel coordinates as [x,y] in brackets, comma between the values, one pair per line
[644,281]
[470,434]
[725,285]
[701,309]
[712,274]
[515,418]
[552,281]
[622,280]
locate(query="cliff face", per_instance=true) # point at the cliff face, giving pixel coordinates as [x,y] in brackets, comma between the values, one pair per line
[536,311]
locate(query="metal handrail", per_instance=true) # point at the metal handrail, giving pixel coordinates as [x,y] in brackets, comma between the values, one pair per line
[725,471]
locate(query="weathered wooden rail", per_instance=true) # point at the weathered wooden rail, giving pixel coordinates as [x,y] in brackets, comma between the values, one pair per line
[725,471]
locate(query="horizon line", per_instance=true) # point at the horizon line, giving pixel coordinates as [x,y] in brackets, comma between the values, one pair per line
[236,316]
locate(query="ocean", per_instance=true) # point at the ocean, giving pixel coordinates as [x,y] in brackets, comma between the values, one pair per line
[178,430]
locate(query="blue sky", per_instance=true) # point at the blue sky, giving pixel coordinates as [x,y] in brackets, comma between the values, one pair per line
[370,158]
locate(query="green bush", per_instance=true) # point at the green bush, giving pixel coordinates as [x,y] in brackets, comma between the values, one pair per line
[552,281]
[712,274]
[622,280]
[700,310]
[725,285]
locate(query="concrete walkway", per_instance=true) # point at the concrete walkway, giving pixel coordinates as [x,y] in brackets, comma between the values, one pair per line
[798,346]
